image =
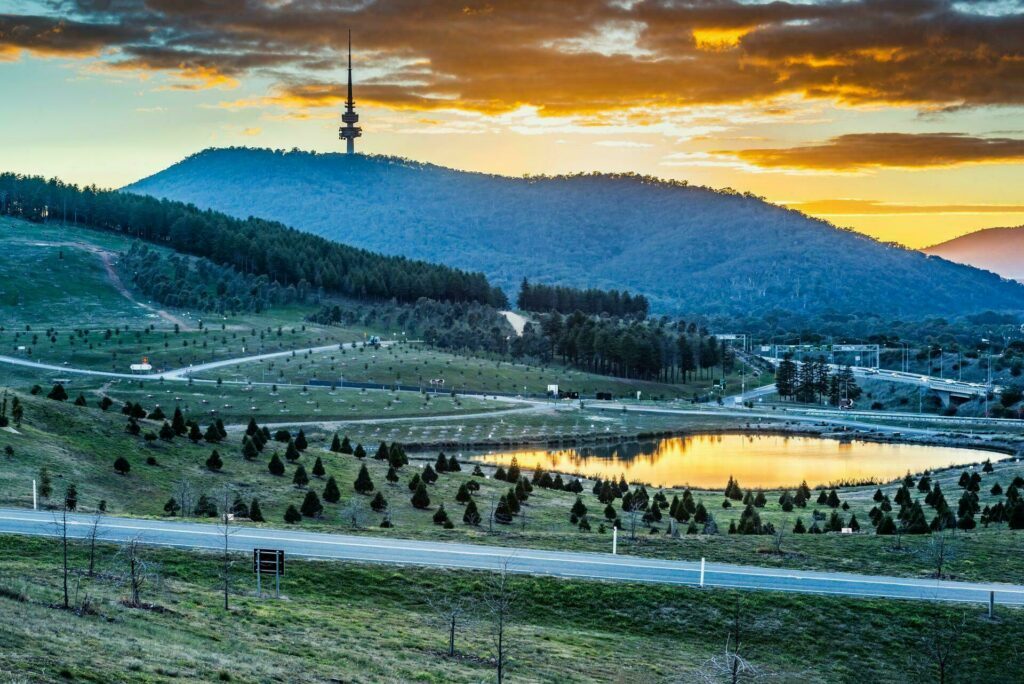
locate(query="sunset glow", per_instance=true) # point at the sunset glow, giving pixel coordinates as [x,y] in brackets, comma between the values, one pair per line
[821,106]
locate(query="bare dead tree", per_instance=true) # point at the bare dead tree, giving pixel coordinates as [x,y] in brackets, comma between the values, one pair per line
[634,515]
[499,601]
[941,643]
[731,666]
[60,522]
[136,571]
[449,610]
[184,493]
[226,529]
[354,513]
[778,536]
[940,551]
[92,536]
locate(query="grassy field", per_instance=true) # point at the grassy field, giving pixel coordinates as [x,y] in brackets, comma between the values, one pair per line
[287,404]
[416,364]
[48,276]
[328,627]
[80,444]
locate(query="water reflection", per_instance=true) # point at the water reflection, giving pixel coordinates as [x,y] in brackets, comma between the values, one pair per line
[767,461]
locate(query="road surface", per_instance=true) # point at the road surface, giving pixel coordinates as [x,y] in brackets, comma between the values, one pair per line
[593,566]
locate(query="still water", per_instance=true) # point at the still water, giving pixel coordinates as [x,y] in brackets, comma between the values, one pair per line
[767,461]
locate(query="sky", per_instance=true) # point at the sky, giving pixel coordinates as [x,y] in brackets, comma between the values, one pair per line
[903,119]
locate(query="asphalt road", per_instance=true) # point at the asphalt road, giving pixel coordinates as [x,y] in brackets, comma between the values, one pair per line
[620,568]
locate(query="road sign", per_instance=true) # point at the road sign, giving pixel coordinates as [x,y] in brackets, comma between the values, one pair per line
[268,560]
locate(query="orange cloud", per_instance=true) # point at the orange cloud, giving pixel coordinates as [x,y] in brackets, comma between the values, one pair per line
[857,151]
[862,207]
[566,57]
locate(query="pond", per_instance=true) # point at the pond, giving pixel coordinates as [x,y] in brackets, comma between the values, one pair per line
[765,461]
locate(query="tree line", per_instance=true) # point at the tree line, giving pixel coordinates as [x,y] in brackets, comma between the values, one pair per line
[566,300]
[252,246]
[813,381]
[650,349]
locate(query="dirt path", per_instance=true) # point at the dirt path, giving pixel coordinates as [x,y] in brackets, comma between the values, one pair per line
[107,258]
[517,321]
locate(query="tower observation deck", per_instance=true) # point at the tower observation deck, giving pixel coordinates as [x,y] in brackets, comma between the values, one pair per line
[349,132]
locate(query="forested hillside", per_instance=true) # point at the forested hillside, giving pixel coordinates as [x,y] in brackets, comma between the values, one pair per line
[252,246]
[686,249]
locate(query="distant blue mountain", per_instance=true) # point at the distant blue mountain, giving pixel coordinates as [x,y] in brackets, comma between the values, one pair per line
[689,249]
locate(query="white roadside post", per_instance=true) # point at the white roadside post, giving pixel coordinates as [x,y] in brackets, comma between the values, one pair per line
[702,572]
[35,505]
[615,539]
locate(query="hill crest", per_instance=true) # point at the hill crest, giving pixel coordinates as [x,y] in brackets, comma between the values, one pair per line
[689,249]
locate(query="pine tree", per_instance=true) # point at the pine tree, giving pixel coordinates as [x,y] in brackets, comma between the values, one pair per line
[172,507]
[212,434]
[463,496]
[300,441]
[441,464]
[194,433]
[166,432]
[292,515]
[71,497]
[311,506]
[833,499]
[886,526]
[392,475]
[331,492]
[382,452]
[239,507]
[420,498]
[799,528]
[45,483]
[471,516]
[249,450]
[80,400]
[346,446]
[214,462]
[502,514]
[760,500]
[318,468]
[58,393]
[178,422]
[512,502]
[276,467]
[255,513]
[359,452]
[440,515]
[363,483]
[122,466]
[379,504]
[453,464]
[300,479]
[336,444]
[291,452]
[429,476]
[579,509]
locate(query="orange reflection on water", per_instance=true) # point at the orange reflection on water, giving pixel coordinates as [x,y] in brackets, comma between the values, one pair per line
[768,461]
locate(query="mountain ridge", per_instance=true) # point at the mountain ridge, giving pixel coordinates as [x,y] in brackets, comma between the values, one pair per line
[689,249]
[998,249]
